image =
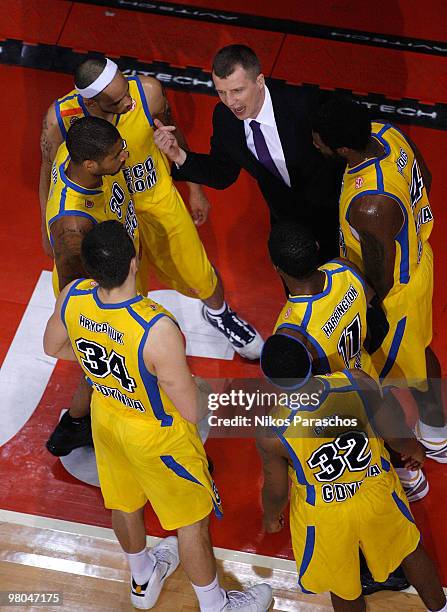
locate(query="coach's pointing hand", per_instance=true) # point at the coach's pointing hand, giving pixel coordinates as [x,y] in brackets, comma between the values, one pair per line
[167,142]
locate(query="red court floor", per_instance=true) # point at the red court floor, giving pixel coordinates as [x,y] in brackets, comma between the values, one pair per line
[31,480]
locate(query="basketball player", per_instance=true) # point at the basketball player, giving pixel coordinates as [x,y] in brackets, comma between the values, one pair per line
[385,225]
[170,242]
[345,495]
[87,187]
[144,409]
[337,316]
[328,306]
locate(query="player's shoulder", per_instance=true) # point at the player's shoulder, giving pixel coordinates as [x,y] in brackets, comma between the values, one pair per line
[149,310]
[151,85]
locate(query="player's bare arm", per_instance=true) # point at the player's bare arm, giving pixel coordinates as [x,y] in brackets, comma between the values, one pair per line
[275,492]
[161,112]
[389,421]
[377,220]
[164,356]
[67,234]
[56,342]
[50,140]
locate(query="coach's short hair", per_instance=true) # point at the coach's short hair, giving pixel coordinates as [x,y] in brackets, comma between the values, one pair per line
[106,253]
[91,138]
[341,122]
[228,58]
[293,249]
[87,72]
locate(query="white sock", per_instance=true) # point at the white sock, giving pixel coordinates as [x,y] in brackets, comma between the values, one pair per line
[219,311]
[432,434]
[443,609]
[141,565]
[212,597]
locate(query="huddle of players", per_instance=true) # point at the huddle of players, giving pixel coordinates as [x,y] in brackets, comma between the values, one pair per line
[325,471]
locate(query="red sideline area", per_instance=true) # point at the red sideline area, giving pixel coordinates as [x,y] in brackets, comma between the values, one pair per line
[31,480]
[297,59]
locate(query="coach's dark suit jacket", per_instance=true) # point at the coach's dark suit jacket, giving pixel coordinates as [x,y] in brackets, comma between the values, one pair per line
[315,181]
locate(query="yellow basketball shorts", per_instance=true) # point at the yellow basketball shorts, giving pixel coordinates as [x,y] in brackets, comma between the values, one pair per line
[400,361]
[326,539]
[140,461]
[172,246]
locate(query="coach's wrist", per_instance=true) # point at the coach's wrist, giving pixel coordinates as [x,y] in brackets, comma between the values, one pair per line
[180,158]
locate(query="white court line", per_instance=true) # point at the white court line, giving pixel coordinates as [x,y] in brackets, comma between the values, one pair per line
[92,531]
[26,370]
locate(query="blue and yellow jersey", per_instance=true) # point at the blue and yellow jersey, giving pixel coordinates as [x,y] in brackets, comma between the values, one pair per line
[333,321]
[395,175]
[108,341]
[147,171]
[111,201]
[331,443]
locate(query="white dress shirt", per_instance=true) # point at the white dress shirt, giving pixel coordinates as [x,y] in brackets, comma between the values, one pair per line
[266,118]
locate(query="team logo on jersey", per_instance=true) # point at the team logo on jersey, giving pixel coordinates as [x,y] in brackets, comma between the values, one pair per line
[287,313]
[89,204]
[402,160]
[359,182]
[153,306]
[93,283]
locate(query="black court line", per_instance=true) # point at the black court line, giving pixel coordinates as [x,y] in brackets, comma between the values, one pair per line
[190,79]
[285,26]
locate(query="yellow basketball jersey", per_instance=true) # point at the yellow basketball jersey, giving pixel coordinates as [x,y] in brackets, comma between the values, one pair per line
[331,444]
[147,171]
[395,175]
[109,202]
[333,321]
[108,341]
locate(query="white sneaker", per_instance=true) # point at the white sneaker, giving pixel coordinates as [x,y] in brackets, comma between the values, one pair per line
[257,598]
[435,449]
[144,596]
[242,336]
[414,483]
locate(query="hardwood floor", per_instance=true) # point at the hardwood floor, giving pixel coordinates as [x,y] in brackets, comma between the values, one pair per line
[92,575]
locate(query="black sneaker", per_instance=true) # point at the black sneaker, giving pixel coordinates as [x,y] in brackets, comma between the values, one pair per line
[396,581]
[244,338]
[70,434]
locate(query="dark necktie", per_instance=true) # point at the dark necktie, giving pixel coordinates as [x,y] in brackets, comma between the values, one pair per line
[262,149]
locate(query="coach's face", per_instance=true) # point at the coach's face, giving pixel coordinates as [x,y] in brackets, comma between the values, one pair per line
[242,92]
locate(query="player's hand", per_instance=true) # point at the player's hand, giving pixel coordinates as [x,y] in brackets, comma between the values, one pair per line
[415,458]
[200,207]
[273,524]
[46,245]
[166,141]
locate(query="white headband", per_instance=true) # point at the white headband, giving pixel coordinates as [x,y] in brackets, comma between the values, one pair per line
[104,79]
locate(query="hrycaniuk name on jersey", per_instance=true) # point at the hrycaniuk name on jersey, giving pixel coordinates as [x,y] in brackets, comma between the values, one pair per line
[121,397]
[344,490]
[101,328]
[342,307]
